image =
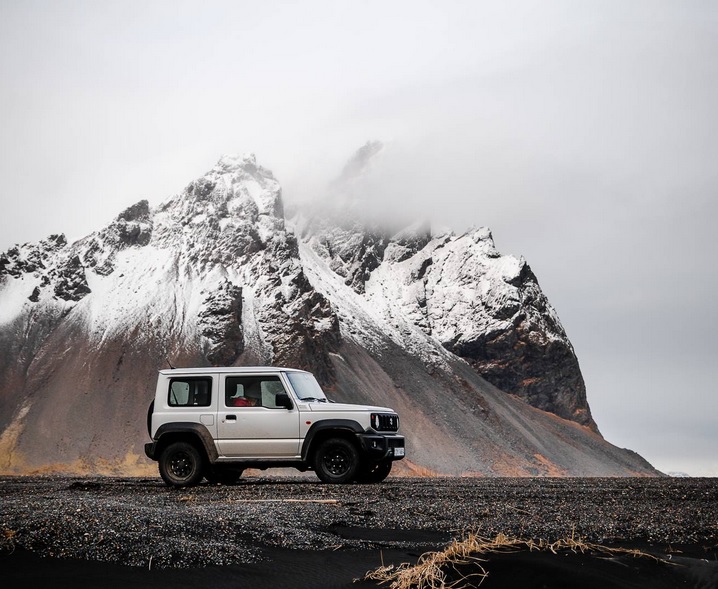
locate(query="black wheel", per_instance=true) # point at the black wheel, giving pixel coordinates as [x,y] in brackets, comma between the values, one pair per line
[224,476]
[181,465]
[374,472]
[336,461]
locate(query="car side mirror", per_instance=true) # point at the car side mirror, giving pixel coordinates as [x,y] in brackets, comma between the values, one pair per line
[283,400]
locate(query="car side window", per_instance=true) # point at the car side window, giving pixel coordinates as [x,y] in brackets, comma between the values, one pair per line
[252,391]
[190,392]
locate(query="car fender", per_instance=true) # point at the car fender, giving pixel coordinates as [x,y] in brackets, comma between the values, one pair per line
[195,429]
[343,425]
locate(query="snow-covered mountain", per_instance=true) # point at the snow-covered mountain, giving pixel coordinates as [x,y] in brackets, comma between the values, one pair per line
[442,327]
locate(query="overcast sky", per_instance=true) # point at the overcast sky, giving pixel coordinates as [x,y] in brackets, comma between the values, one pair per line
[584,134]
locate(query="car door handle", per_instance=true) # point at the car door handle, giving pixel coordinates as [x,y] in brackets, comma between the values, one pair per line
[231,418]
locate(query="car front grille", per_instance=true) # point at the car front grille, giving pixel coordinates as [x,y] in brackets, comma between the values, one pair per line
[385,422]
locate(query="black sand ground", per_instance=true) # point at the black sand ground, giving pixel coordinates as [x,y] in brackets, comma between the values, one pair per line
[272,532]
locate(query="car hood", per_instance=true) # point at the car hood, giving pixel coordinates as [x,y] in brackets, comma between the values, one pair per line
[326,407]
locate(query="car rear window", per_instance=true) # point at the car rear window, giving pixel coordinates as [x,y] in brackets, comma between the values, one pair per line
[190,392]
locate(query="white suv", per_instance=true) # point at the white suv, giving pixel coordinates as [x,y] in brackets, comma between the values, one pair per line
[215,422]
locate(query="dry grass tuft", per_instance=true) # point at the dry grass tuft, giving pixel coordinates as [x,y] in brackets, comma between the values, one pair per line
[432,570]
[129,465]
[435,570]
[7,540]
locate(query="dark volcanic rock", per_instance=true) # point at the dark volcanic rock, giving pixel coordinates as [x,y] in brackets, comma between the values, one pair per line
[30,258]
[71,282]
[352,251]
[132,227]
[220,321]
[526,351]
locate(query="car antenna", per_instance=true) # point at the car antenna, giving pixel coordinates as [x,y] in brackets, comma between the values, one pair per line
[170,363]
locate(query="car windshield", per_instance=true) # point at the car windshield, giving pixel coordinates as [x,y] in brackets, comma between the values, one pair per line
[306,386]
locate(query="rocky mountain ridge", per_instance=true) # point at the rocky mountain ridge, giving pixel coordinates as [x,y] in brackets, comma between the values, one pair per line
[457,337]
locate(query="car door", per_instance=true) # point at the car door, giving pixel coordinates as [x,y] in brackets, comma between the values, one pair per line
[249,422]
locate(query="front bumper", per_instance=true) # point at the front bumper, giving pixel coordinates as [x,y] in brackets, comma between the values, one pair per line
[379,447]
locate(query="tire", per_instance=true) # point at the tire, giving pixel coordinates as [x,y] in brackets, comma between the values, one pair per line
[181,465]
[374,472]
[336,461]
[224,476]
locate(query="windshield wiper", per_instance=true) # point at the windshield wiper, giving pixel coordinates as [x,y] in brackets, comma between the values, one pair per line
[314,399]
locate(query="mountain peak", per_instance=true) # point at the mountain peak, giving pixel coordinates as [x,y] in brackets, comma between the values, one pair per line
[361,161]
[231,162]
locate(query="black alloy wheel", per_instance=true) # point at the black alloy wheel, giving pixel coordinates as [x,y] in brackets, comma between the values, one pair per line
[181,465]
[336,461]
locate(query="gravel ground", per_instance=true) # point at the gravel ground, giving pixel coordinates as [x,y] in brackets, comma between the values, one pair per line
[140,522]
